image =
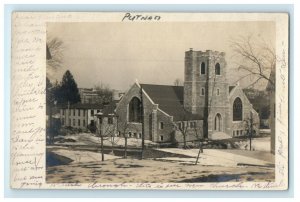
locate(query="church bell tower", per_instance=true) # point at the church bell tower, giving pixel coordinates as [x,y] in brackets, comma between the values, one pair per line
[206,88]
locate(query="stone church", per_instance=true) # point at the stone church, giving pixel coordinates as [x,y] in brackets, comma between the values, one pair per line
[206,106]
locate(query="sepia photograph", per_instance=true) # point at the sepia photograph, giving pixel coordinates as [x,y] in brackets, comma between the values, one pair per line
[164,102]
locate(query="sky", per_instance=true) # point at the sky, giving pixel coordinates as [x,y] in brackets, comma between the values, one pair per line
[118,54]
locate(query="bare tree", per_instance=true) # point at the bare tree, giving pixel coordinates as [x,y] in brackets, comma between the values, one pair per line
[256,58]
[123,128]
[249,124]
[178,82]
[54,52]
[104,132]
[182,127]
[105,93]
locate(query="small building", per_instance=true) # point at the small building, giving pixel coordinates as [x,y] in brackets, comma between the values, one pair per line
[107,121]
[89,96]
[79,115]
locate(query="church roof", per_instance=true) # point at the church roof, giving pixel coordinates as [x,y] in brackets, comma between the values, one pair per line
[170,100]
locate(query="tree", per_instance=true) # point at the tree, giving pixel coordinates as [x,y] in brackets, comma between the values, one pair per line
[182,127]
[68,90]
[105,93]
[123,127]
[256,58]
[54,56]
[178,82]
[249,124]
[105,132]
[51,100]
[198,133]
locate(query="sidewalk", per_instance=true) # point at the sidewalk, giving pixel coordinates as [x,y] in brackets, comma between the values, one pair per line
[214,157]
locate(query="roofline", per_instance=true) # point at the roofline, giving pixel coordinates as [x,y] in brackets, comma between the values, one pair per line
[231,92]
[137,83]
[244,94]
[164,112]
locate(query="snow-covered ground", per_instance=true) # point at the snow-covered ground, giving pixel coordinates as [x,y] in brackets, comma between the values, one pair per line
[215,157]
[153,171]
[258,144]
[82,156]
[89,138]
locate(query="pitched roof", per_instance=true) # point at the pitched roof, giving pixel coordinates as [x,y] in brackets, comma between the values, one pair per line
[169,100]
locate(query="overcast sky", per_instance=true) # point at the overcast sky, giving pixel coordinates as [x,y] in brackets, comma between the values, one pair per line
[119,53]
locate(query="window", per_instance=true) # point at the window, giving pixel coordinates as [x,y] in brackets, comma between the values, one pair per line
[241,132]
[179,125]
[83,122]
[161,125]
[100,120]
[92,112]
[202,71]
[98,110]
[192,124]
[78,112]
[140,135]
[83,113]
[233,133]
[135,135]
[63,112]
[218,91]
[135,110]
[237,110]
[110,120]
[202,91]
[74,112]
[237,132]
[217,69]
[218,122]
[78,122]
[74,122]
[92,123]
[130,134]
[161,138]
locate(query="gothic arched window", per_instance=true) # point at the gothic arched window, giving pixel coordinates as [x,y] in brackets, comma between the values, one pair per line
[202,68]
[237,110]
[135,110]
[217,69]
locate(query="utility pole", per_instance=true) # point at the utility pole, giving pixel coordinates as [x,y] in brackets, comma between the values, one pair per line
[251,130]
[99,117]
[142,120]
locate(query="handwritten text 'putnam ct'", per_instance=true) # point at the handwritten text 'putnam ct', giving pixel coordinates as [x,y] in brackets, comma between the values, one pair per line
[138,17]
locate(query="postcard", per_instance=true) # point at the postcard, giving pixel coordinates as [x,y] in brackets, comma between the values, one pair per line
[168,101]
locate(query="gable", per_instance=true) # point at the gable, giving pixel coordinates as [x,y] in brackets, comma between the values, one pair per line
[238,92]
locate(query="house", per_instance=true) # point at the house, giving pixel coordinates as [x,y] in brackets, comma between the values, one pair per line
[79,115]
[205,107]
